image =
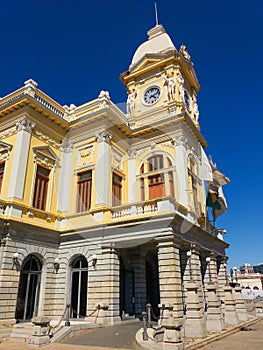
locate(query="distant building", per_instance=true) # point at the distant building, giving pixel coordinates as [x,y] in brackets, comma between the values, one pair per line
[250,277]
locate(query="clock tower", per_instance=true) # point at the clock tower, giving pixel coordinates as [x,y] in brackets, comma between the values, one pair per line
[161,82]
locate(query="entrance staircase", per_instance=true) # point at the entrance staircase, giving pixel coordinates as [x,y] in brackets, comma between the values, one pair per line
[21,332]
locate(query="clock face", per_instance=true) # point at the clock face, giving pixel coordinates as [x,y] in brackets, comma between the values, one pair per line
[151,95]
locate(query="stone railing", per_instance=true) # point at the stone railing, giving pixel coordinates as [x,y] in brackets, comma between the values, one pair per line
[30,89]
[50,104]
[11,98]
[149,207]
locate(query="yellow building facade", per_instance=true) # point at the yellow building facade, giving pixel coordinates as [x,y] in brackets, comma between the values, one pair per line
[105,209]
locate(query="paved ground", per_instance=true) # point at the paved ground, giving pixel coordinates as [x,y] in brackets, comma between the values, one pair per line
[251,339]
[117,336]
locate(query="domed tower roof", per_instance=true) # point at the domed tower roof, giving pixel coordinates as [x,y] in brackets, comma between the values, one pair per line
[158,42]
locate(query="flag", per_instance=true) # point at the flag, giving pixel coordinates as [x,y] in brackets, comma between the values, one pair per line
[222,203]
[219,178]
[212,198]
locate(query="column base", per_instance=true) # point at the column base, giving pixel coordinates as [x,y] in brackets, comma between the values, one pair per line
[195,328]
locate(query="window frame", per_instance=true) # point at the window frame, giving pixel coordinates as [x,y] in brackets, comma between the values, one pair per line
[84,191]
[116,190]
[2,171]
[41,189]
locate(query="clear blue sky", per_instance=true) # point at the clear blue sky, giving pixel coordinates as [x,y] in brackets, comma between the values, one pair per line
[74,49]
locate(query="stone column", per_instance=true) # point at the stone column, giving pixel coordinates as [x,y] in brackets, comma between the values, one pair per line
[65,177]
[132,176]
[241,309]
[214,317]
[170,293]
[195,325]
[103,170]
[19,165]
[106,288]
[222,277]
[181,171]
[230,306]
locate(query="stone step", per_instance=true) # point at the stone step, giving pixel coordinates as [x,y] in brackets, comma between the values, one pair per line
[21,332]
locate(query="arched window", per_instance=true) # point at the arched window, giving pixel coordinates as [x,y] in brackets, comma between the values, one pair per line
[193,185]
[79,285]
[156,179]
[29,289]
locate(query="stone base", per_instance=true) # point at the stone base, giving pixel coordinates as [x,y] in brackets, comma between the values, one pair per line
[242,315]
[38,340]
[231,318]
[195,328]
[214,323]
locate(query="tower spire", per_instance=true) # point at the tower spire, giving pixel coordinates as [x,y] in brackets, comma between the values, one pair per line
[156,14]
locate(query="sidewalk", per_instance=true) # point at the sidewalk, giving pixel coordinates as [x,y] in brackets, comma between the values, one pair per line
[249,339]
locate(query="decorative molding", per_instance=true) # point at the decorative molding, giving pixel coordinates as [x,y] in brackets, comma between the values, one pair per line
[25,125]
[104,99]
[85,155]
[47,139]
[30,87]
[8,132]
[117,159]
[5,150]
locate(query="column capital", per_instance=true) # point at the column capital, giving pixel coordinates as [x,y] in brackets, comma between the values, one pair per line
[67,146]
[103,136]
[132,153]
[25,125]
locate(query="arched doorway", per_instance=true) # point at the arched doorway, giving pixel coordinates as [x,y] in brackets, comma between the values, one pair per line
[79,285]
[29,287]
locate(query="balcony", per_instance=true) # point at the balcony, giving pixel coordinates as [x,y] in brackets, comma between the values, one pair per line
[147,208]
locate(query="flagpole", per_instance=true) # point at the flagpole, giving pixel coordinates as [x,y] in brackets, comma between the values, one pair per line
[156,14]
[214,215]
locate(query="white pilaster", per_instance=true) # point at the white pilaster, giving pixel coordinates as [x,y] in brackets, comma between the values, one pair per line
[19,166]
[132,176]
[65,177]
[103,169]
[181,172]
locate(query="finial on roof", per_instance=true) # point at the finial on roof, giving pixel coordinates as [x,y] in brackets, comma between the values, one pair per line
[156,14]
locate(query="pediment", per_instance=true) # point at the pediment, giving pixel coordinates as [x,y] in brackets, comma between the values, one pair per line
[45,155]
[146,60]
[5,150]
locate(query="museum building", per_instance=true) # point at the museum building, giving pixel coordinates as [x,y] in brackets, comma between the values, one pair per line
[105,209]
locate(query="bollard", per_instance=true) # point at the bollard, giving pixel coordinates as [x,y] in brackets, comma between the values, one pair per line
[67,323]
[149,311]
[144,333]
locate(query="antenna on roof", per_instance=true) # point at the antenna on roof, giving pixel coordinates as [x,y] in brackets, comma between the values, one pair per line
[156,14]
